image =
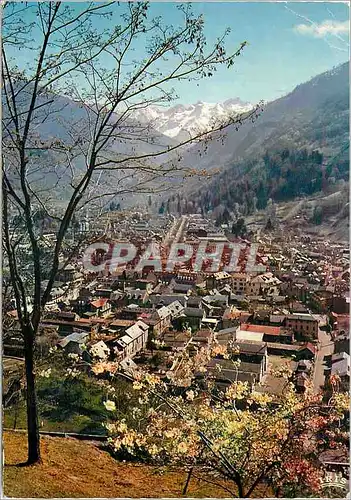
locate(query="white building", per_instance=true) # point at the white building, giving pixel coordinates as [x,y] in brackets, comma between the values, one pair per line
[133,340]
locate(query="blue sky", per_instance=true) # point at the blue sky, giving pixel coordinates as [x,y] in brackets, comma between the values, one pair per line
[289,42]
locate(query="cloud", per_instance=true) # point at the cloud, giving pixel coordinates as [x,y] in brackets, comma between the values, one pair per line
[328,27]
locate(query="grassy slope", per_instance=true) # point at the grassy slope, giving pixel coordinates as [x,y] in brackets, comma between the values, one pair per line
[75,423]
[72,468]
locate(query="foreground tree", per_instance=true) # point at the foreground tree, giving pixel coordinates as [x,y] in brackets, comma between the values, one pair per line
[70,139]
[240,438]
[247,437]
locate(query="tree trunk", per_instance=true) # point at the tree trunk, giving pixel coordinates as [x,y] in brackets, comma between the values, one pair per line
[31,399]
[185,489]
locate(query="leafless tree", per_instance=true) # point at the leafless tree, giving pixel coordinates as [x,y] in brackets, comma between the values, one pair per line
[74,79]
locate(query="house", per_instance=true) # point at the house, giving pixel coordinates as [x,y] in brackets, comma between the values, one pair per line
[128,366]
[264,333]
[65,273]
[166,299]
[339,356]
[253,352]
[100,307]
[136,295]
[261,316]
[253,287]
[133,340]
[293,286]
[283,336]
[194,301]
[120,325]
[184,288]
[57,294]
[318,299]
[219,279]
[304,325]
[67,327]
[81,304]
[74,342]
[298,307]
[239,281]
[67,316]
[226,335]
[226,290]
[194,316]
[233,316]
[339,305]
[307,351]
[342,343]
[133,311]
[144,284]
[341,368]
[253,366]
[99,350]
[245,332]
[118,299]
[203,337]
[176,309]
[163,317]
[158,320]
[252,373]
[176,341]
[266,283]
[216,300]
[210,323]
[276,319]
[103,292]
[340,323]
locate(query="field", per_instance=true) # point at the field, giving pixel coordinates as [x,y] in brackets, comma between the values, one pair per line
[72,468]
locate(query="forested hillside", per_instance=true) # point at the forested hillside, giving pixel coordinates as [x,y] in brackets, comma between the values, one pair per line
[281,175]
[298,147]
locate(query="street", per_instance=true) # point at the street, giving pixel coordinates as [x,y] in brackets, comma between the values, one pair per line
[325,348]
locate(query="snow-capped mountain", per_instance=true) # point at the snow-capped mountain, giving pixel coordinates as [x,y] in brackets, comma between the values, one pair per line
[180,120]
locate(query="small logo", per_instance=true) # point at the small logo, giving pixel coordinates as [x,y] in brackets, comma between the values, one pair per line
[335,480]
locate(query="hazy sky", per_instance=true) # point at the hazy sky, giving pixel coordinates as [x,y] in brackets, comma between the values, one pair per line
[289,42]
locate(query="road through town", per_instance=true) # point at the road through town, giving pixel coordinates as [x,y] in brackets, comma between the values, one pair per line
[325,348]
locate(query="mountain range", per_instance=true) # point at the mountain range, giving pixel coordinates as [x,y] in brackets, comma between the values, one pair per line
[314,116]
[181,121]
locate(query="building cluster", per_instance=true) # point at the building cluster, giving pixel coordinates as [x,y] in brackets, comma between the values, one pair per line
[294,303]
[292,311]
